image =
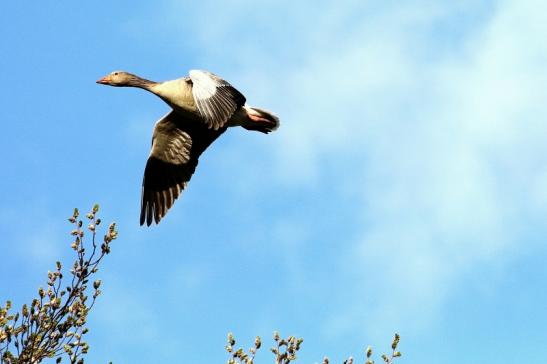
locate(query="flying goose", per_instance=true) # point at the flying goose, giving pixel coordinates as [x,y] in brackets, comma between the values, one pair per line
[203,107]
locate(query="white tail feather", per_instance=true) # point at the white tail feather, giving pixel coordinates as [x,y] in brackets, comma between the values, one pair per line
[263,120]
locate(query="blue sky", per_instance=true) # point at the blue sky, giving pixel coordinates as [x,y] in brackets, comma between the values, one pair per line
[405,190]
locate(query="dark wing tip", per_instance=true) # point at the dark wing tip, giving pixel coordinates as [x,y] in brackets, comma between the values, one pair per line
[162,185]
[153,208]
[142,217]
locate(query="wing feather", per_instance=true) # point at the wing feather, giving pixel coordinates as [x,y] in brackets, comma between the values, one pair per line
[216,100]
[177,144]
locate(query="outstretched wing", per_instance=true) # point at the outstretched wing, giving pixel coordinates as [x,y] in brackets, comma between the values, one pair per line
[216,99]
[177,143]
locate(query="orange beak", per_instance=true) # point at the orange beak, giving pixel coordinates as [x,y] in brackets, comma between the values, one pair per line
[104,81]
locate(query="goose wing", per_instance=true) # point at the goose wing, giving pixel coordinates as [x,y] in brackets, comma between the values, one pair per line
[177,143]
[215,98]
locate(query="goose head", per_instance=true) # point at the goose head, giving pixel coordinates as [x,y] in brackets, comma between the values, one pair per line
[119,79]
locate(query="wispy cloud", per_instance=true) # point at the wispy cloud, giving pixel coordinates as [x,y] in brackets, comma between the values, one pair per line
[430,113]
[448,192]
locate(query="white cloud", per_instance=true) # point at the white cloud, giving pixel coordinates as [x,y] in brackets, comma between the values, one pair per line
[450,192]
[436,125]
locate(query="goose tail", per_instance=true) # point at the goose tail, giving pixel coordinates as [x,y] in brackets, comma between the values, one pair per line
[260,120]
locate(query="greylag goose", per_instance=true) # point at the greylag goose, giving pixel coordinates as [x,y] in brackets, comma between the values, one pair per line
[203,107]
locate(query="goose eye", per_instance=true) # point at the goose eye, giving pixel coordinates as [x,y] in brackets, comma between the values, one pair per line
[115,73]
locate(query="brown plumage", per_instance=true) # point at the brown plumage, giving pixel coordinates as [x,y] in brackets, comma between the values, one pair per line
[203,107]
